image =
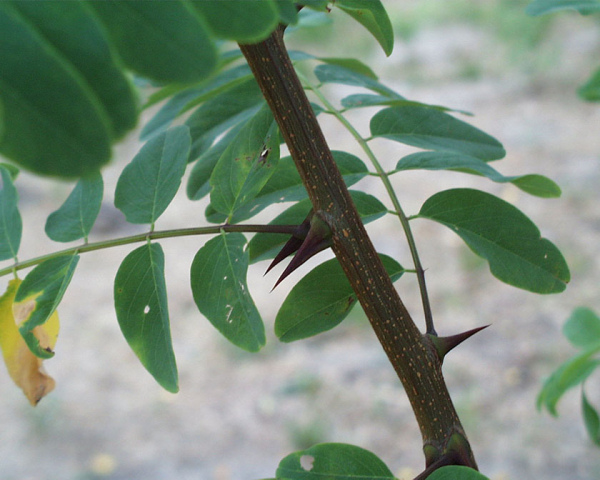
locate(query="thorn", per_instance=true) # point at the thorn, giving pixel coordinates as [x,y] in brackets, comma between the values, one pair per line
[317,240]
[444,344]
[294,243]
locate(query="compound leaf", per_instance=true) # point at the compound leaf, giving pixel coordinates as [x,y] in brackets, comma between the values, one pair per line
[38,297]
[218,278]
[25,369]
[11,225]
[149,182]
[504,236]
[143,312]
[333,461]
[76,216]
[372,15]
[431,129]
[321,300]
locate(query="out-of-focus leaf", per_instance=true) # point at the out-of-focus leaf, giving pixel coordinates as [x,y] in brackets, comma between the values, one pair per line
[198,184]
[321,300]
[187,98]
[434,130]
[72,29]
[570,374]
[456,472]
[352,64]
[372,15]
[333,461]
[11,225]
[12,169]
[143,312]
[246,165]
[590,90]
[582,328]
[57,126]
[222,112]
[164,41]
[339,74]
[503,235]
[360,100]
[286,185]
[245,21]
[267,245]
[150,181]
[591,419]
[533,184]
[38,297]
[76,216]
[288,13]
[25,369]
[540,7]
[218,278]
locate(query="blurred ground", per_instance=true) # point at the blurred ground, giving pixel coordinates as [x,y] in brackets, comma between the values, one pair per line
[238,414]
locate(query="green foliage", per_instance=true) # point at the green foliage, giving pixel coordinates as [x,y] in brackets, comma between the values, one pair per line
[11,225]
[503,235]
[218,278]
[75,218]
[321,300]
[590,91]
[149,183]
[39,296]
[334,461]
[143,313]
[582,329]
[585,7]
[456,472]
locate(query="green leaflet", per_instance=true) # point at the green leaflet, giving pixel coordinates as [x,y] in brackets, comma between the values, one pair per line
[188,98]
[198,184]
[590,418]
[73,30]
[372,15]
[456,472]
[11,225]
[39,295]
[286,186]
[434,130]
[340,74]
[218,279]
[540,7]
[570,374]
[266,245]
[42,131]
[533,184]
[143,312]
[222,112]
[333,461]
[590,91]
[150,181]
[321,300]
[504,236]
[76,216]
[288,13]
[582,328]
[245,21]
[246,165]
[164,41]
[361,100]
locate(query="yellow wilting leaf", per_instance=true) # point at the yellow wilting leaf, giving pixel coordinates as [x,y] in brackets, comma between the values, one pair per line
[26,370]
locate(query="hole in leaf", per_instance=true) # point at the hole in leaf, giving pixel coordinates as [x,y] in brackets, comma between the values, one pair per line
[306,462]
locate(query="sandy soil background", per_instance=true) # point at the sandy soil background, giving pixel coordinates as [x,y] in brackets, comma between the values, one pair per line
[238,414]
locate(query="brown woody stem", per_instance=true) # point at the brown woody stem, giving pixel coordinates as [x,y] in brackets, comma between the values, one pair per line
[411,353]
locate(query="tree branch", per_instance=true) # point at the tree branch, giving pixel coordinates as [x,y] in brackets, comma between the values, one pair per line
[411,354]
